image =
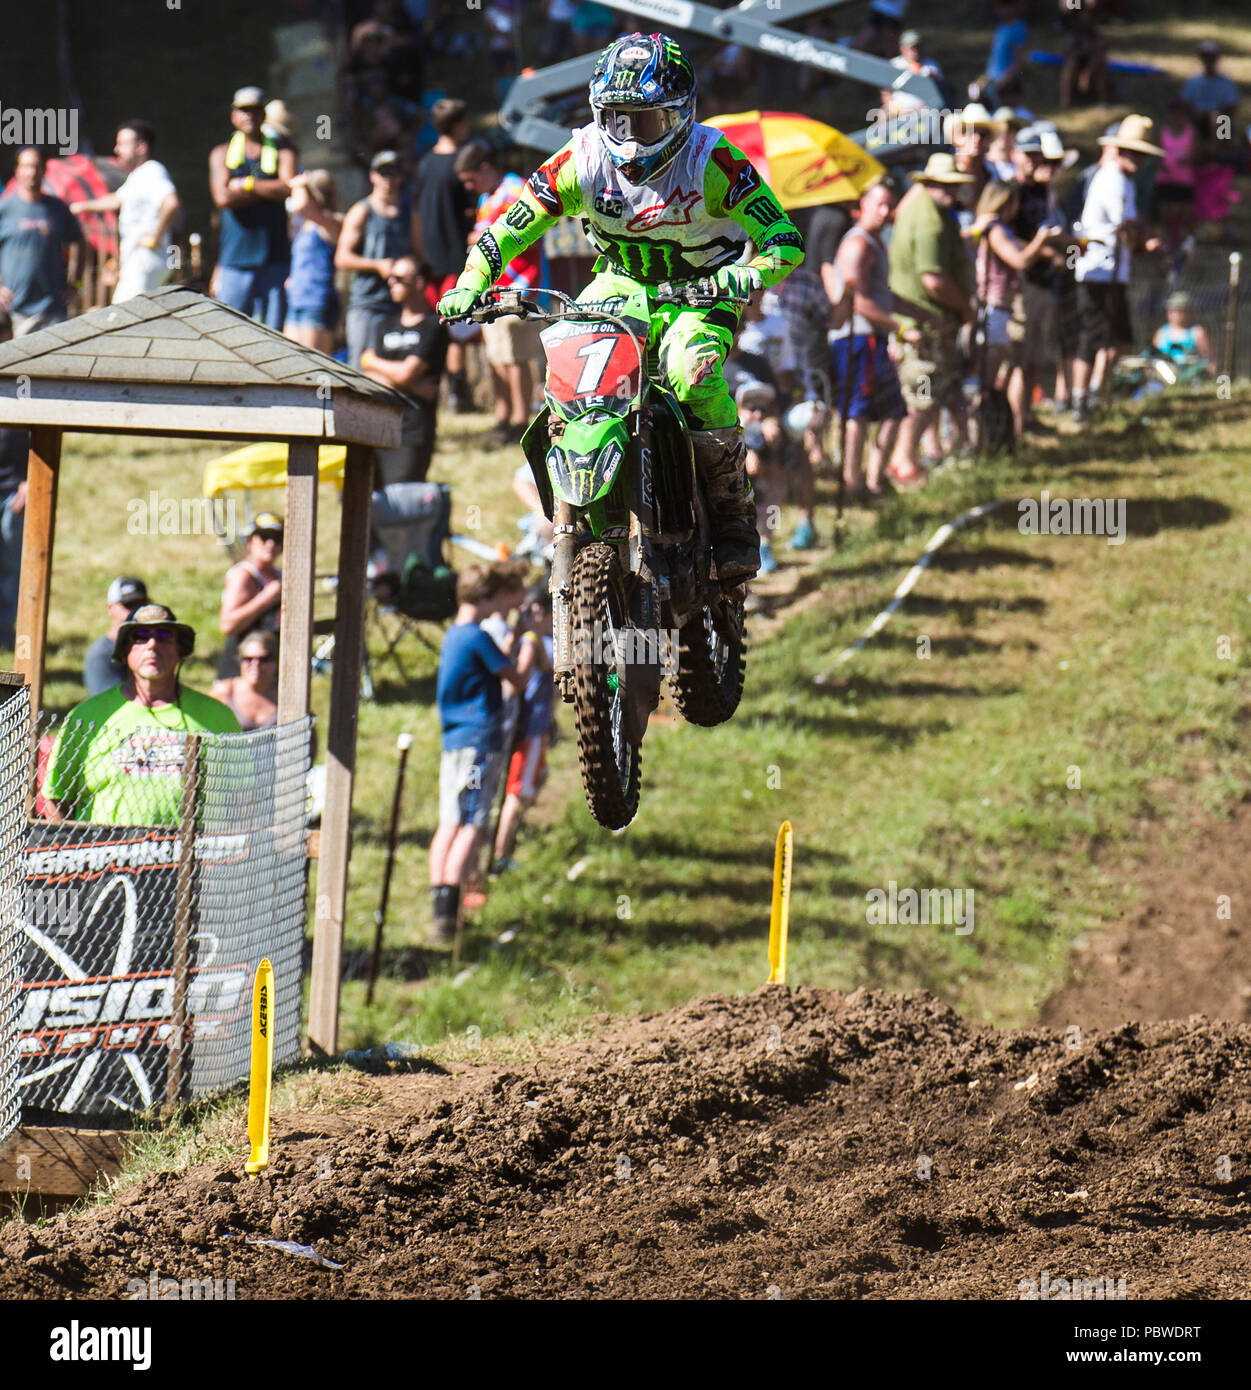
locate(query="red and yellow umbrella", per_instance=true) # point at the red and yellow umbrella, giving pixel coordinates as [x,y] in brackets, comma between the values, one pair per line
[804,161]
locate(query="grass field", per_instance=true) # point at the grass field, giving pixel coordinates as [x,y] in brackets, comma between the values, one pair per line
[1052,661]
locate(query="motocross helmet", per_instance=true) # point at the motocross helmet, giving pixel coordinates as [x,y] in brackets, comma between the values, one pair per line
[643,99]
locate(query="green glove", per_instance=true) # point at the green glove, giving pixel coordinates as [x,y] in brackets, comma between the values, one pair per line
[737,281]
[457,302]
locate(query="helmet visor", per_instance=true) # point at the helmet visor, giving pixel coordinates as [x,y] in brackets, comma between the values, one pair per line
[645,125]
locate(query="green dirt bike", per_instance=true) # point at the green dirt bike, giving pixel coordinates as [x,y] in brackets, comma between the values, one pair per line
[635,595]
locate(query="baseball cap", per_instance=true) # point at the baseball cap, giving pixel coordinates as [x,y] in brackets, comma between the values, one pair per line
[267,522]
[248,96]
[1209,46]
[384,159]
[1178,300]
[128,590]
[910,38]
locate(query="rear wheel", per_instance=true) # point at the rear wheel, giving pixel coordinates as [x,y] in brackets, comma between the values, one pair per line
[709,680]
[610,762]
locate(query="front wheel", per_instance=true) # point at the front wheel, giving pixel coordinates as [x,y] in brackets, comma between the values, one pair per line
[709,681]
[598,617]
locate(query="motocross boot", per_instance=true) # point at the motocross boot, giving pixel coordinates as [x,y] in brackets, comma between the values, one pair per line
[721,465]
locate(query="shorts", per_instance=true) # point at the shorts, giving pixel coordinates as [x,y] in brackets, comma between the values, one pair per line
[929,370]
[467,781]
[325,320]
[998,327]
[1175,194]
[1102,317]
[527,767]
[1040,311]
[511,341]
[1066,315]
[143,270]
[873,392]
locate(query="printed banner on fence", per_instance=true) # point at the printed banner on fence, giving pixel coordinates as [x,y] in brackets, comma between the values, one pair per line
[96,965]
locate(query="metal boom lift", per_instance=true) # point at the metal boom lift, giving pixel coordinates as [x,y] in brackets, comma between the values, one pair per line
[529,113]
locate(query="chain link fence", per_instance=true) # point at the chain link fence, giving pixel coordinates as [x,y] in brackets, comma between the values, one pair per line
[162,865]
[14,755]
[1206,281]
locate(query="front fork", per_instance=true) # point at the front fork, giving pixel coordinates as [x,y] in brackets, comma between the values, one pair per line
[565,550]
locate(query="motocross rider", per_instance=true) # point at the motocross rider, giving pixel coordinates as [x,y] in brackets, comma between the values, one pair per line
[662,198]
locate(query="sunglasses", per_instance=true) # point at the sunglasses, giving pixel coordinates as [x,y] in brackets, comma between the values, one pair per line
[268,536]
[261,658]
[390,171]
[154,634]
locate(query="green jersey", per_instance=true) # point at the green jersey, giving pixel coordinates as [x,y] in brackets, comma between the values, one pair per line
[693,217]
[117,762]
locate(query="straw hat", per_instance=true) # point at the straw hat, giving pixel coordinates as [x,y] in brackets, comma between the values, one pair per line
[279,119]
[941,168]
[976,117]
[1134,133]
[1007,116]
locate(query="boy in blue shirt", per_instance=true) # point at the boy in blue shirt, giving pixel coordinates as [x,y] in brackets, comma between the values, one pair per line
[471,668]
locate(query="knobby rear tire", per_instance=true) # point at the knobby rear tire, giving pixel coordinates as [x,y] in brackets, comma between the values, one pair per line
[709,681]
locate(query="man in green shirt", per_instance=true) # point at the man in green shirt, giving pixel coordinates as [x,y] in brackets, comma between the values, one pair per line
[930,267]
[119,757]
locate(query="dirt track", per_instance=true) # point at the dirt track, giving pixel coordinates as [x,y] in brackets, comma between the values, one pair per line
[736,1146]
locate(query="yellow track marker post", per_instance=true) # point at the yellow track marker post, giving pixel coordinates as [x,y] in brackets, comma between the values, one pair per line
[262,1068]
[780,916]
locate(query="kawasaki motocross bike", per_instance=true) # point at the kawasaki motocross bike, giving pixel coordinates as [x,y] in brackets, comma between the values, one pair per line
[634,590]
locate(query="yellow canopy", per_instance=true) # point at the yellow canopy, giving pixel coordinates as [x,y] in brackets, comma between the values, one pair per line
[805,162]
[265,465]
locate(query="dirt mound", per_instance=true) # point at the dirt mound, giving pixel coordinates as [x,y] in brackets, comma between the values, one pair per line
[776,1144]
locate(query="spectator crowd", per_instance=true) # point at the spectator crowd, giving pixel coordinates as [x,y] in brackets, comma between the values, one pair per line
[992,273]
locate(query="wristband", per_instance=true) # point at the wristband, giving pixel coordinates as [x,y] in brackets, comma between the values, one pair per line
[249,183]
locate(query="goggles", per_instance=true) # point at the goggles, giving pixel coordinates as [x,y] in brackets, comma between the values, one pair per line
[645,125]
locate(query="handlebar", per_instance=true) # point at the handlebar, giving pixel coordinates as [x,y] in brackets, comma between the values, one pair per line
[495,304]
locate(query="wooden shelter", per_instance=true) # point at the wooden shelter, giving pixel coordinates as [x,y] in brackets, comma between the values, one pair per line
[175,363]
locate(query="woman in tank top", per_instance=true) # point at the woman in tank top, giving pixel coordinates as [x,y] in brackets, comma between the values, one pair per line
[253,694]
[1000,258]
[1175,178]
[252,595]
[312,301]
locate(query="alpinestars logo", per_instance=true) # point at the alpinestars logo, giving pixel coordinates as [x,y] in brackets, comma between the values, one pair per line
[675,211]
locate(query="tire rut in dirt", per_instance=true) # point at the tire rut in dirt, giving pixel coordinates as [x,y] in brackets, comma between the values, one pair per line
[705,695]
[599,606]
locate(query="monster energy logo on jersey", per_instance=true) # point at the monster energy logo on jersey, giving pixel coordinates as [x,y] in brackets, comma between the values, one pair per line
[656,259]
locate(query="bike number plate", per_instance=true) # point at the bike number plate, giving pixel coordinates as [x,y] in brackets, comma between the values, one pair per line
[585,361]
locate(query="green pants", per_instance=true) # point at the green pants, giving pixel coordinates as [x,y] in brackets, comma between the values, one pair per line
[690,347]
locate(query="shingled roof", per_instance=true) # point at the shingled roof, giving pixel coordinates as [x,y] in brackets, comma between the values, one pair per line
[176,362]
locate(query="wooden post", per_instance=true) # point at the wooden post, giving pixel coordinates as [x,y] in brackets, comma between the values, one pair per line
[345,691]
[183,904]
[1231,313]
[42,473]
[299,567]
